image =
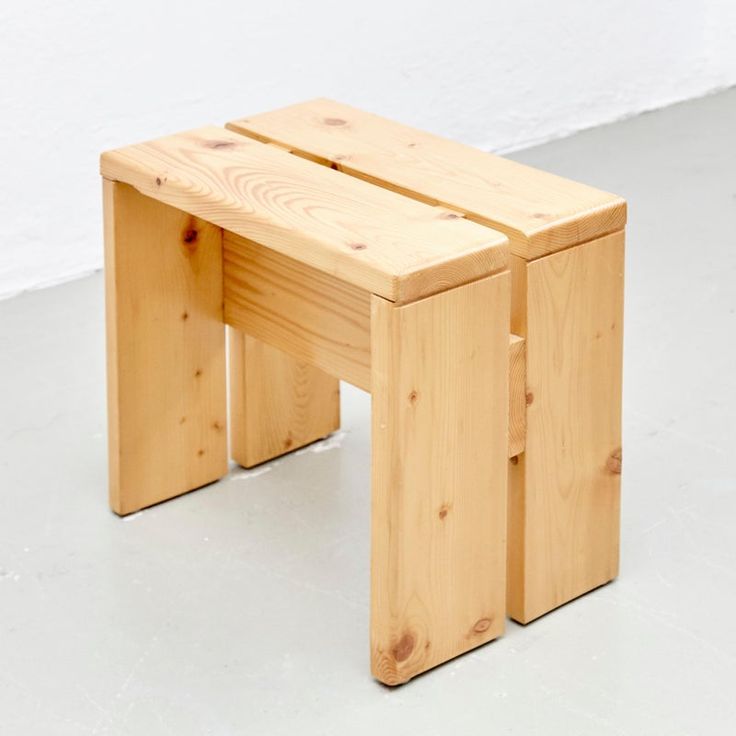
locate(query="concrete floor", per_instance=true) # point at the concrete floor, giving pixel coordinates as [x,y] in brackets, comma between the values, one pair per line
[243,608]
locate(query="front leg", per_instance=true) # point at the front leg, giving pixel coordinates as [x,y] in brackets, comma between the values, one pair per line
[167,415]
[439,477]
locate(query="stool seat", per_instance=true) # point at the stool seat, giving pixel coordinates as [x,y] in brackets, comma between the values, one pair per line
[540,212]
[391,246]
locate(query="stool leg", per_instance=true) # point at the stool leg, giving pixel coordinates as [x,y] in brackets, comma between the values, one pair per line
[439,476]
[277,404]
[165,350]
[565,488]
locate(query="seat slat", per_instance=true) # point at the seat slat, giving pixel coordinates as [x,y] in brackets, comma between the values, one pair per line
[541,213]
[389,245]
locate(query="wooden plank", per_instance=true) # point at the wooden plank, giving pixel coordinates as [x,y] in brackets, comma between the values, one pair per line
[515,540]
[517,266]
[516,524]
[540,212]
[565,487]
[167,410]
[439,425]
[277,404]
[517,395]
[313,316]
[369,237]
[323,322]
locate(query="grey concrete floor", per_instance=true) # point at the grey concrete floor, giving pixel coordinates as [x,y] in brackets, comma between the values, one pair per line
[242,608]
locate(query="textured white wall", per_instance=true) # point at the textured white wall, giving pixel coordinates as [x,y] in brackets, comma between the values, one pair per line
[84,75]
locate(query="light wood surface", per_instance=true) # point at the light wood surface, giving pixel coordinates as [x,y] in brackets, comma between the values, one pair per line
[516,519]
[323,322]
[166,350]
[277,404]
[565,488]
[313,316]
[515,540]
[517,266]
[439,475]
[517,395]
[540,212]
[365,235]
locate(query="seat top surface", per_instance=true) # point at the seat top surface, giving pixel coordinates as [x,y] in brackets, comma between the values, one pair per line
[388,244]
[540,212]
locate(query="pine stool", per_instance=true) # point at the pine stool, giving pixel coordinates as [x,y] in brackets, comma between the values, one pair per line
[480,303]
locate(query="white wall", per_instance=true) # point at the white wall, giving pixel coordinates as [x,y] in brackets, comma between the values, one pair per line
[80,76]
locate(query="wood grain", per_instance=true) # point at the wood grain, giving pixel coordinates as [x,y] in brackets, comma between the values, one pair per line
[439,425]
[322,322]
[167,411]
[364,235]
[518,267]
[565,488]
[277,404]
[313,316]
[516,539]
[540,212]
[517,395]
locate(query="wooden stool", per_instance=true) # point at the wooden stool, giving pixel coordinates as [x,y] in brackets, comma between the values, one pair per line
[473,355]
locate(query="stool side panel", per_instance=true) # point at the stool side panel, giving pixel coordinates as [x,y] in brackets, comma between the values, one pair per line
[167,411]
[439,459]
[566,486]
